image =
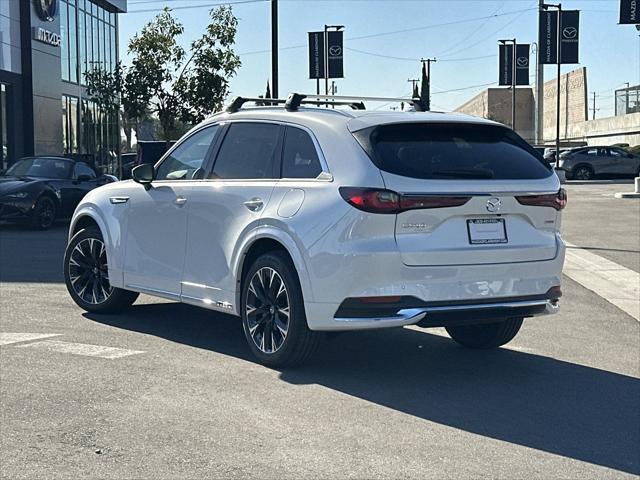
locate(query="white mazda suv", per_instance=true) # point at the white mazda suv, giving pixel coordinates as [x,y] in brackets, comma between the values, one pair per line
[306,220]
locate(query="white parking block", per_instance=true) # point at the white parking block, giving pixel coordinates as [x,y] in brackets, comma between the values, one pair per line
[613,282]
[9,338]
[84,349]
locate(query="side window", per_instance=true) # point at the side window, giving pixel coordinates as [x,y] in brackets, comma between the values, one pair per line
[592,151]
[615,153]
[186,161]
[83,169]
[300,158]
[248,151]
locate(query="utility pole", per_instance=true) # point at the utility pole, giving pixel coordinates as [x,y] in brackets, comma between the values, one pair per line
[594,106]
[274,48]
[539,87]
[414,82]
[428,61]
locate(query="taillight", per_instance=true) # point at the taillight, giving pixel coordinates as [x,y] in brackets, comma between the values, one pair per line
[553,200]
[387,201]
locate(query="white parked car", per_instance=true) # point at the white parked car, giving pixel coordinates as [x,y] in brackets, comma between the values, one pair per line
[304,220]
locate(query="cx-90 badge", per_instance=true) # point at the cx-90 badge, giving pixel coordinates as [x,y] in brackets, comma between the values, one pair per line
[493,205]
[47,9]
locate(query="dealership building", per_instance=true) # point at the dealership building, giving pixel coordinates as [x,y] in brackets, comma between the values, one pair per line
[46,47]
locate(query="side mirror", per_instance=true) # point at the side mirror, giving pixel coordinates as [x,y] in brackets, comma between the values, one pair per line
[143,174]
[83,178]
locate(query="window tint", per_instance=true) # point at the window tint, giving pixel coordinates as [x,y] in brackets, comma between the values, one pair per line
[186,161]
[248,151]
[300,158]
[452,151]
[83,169]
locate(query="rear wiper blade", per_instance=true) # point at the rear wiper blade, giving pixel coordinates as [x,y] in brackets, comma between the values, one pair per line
[462,173]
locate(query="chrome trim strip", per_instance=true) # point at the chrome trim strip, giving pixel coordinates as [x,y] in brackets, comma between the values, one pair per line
[153,291]
[198,285]
[414,315]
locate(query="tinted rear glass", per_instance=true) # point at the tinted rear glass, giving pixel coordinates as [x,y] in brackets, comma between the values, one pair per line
[452,151]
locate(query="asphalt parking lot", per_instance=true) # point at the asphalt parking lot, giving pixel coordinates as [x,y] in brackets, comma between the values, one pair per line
[171,391]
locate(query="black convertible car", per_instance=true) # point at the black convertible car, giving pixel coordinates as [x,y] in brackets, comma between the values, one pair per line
[39,190]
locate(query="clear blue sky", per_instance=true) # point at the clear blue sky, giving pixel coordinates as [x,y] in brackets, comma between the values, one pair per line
[466,47]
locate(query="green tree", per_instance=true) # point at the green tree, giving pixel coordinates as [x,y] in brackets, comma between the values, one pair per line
[174,85]
[424,87]
[415,91]
[267,94]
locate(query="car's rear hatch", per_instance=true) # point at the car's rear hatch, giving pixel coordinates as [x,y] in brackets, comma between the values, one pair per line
[476,193]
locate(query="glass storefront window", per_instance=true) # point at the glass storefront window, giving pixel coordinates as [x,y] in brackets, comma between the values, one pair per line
[64,41]
[73,46]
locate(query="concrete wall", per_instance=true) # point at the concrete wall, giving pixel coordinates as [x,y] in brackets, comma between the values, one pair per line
[573,103]
[607,131]
[495,104]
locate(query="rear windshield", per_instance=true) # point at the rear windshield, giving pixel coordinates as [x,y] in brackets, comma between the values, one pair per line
[452,151]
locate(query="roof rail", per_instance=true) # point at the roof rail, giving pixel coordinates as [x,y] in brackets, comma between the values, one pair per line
[294,100]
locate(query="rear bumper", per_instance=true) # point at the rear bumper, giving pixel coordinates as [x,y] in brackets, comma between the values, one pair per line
[467,314]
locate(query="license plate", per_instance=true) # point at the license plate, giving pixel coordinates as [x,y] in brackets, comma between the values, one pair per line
[486,230]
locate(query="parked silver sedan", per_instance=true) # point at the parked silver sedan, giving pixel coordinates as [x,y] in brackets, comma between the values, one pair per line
[586,162]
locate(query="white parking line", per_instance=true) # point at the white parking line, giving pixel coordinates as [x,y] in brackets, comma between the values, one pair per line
[9,338]
[82,349]
[616,284]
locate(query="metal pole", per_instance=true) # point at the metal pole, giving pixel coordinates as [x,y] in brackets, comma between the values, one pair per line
[594,105]
[326,62]
[559,60]
[317,86]
[539,87]
[513,86]
[274,48]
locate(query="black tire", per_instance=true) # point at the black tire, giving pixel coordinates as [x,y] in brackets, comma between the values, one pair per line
[484,336]
[582,172]
[85,264]
[263,312]
[43,214]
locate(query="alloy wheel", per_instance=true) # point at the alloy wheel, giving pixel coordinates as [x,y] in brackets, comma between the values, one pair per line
[46,214]
[582,173]
[88,272]
[267,310]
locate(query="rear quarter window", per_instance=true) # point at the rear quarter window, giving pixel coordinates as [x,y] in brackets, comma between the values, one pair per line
[452,151]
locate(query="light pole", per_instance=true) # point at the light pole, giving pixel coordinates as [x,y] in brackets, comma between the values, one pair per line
[274,48]
[513,80]
[558,7]
[326,55]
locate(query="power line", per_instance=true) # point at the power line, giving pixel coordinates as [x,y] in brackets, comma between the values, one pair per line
[407,59]
[189,7]
[405,30]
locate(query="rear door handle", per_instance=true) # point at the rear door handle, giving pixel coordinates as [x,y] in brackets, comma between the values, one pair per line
[180,201]
[255,204]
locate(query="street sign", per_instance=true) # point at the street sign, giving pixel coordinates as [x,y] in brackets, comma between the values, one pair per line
[335,54]
[629,11]
[548,35]
[506,64]
[316,54]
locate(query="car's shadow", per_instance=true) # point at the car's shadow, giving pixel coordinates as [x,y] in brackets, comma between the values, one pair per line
[551,405]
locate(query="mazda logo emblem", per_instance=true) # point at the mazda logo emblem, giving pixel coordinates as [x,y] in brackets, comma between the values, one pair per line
[335,50]
[493,205]
[522,61]
[570,32]
[46,9]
